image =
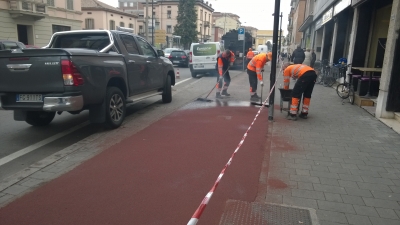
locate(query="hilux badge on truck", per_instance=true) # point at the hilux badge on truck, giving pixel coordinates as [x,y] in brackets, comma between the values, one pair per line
[51,63]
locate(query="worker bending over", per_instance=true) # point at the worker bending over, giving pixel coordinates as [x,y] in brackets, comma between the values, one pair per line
[224,61]
[254,69]
[304,86]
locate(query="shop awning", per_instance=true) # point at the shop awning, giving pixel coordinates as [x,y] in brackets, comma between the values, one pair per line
[307,22]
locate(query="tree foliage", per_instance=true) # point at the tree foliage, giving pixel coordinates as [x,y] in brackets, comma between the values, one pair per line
[186,26]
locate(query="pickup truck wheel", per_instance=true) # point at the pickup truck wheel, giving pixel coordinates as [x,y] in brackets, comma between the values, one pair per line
[167,94]
[115,107]
[38,118]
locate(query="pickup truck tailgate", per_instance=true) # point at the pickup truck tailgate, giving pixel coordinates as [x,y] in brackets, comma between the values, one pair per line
[32,70]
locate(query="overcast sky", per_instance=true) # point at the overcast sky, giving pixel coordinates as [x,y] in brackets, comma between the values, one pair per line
[255,13]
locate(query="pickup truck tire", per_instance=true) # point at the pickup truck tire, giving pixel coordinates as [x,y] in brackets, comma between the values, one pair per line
[167,93]
[115,107]
[39,118]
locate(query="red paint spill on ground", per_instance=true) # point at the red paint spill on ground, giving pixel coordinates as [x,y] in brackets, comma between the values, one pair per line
[276,184]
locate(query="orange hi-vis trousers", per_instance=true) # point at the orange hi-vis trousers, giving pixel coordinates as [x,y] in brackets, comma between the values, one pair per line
[304,87]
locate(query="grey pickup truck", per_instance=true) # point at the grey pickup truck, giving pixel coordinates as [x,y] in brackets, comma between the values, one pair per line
[96,70]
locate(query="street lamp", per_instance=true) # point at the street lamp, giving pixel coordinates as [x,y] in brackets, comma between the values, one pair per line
[152,22]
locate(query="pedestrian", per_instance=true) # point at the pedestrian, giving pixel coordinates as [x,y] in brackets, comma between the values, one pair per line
[254,69]
[314,58]
[307,57]
[298,55]
[224,61]
[306,78]
[250,55]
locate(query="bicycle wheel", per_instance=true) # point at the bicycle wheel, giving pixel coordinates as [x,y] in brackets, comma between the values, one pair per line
[329,81]
[342,91]
[351,96]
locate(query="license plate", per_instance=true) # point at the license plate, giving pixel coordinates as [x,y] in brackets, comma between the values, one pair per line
[29,98]
[199,66]
[176,61]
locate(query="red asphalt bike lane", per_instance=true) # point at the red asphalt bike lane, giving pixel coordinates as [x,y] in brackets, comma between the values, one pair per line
[160,175]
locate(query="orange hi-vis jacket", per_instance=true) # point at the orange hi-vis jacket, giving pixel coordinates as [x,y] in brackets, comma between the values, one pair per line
[221,65]
[250,55]
[258,62]
[296,71]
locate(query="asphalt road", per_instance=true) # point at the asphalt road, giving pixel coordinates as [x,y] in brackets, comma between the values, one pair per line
[23,145]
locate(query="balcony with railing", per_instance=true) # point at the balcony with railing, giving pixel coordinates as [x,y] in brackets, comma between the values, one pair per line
[206,23]
[33,9]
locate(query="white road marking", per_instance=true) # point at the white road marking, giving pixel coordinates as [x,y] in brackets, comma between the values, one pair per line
[180,82]
[40,144]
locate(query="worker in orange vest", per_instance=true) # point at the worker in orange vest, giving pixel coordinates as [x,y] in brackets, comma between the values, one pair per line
[250,55]
[304,86]
[254,69]
[224,61]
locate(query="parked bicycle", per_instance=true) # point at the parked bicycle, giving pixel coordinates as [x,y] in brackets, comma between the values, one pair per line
[326,76]
[345,90]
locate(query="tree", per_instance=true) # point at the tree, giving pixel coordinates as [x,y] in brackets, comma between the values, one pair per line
[186,26]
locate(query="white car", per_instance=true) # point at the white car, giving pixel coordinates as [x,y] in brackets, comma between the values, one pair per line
[168,51]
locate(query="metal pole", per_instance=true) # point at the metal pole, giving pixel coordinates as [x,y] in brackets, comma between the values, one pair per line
[244,38]
[273,63]
[152,24]
[146,22]
[224,24]
[280,35]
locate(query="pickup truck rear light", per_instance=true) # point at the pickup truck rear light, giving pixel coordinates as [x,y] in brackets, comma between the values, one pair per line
[183,57]
[190,56]
[71,75]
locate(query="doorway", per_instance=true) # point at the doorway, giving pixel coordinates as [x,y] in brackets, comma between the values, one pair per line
[25,34]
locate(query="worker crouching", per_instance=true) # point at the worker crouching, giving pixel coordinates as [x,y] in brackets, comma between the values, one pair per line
[254,70]
[224,62]
[304,86]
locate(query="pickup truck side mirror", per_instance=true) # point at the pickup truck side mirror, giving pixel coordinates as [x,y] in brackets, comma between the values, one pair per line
[160,53]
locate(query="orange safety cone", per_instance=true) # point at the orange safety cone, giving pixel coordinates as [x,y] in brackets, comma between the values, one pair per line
[177,74]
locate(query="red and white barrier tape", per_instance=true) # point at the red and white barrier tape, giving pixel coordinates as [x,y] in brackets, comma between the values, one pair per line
[196,216]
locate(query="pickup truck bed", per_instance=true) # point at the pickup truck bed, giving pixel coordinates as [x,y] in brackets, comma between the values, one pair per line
[103,77]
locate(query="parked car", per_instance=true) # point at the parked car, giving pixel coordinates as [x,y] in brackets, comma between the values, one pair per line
[179,57]
[96,70]
[168,51]
[7,44]
[203,57]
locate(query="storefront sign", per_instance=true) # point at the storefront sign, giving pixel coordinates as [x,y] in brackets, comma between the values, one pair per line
[357,2]
[342,4]
[327,16]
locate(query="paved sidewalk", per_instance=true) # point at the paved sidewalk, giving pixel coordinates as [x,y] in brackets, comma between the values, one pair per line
[341,161]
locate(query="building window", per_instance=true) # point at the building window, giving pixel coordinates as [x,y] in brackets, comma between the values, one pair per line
[200,29]
[89,24]
[131,4]
[205,16]
[131,25]
[50,2]
[112,25]
[125,4]
[41,8]
[58,28]
[169,14]
[26,5]
[154,13]
[122,24]
[70,4]
[201,14]
[169,29]
[169,6]
[141,31]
